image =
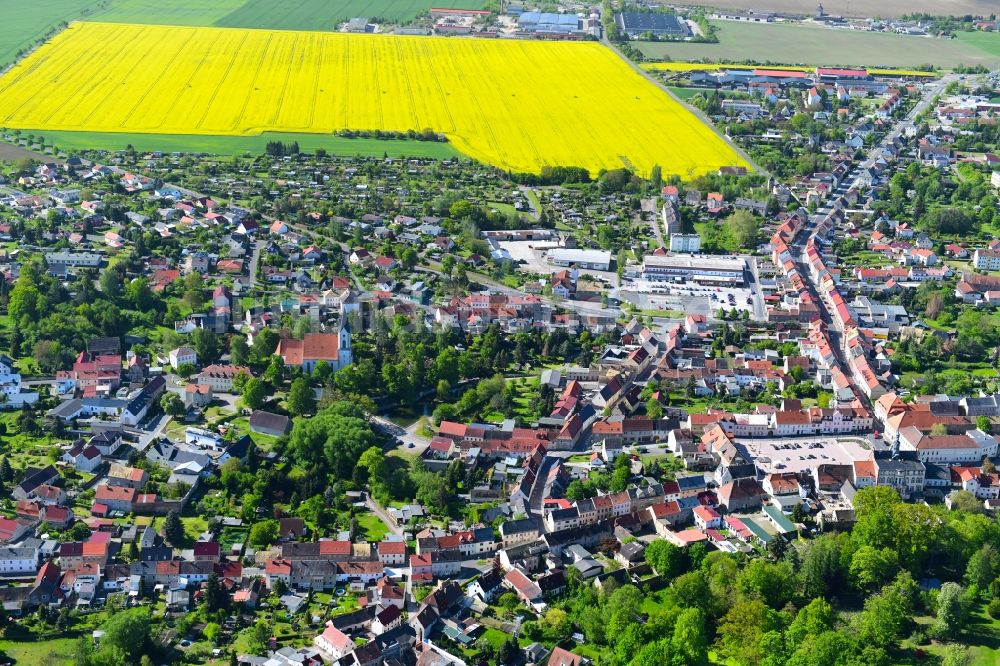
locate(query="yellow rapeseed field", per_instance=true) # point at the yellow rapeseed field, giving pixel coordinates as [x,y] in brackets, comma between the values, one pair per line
[516,104]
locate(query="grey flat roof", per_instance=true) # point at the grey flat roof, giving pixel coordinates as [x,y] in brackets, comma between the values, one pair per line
[695,263]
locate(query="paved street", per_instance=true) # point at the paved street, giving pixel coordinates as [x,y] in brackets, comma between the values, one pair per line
[851,180]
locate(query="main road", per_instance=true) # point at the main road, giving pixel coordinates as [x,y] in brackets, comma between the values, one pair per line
[930,92]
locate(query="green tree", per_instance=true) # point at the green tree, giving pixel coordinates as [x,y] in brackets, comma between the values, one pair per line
[574,491]
[883,618]
[301,397]
[240,380]
[666,559]
[984,424]
[211,631]
[140,296]
[950,614]
[172,404]
[373,462]
[264,533]
[264,344]
[742,628]
[239,350]
[275,371]
[772,583]
[216,597]
[254,393]
[654,409]
[173,529]
[873,567]
[813,619]
[261,635]
[689,641]
[111,283]
[335,436]
[875,524]
[982,569]
[956,655]
[206,345]
[126,631]
[744,228]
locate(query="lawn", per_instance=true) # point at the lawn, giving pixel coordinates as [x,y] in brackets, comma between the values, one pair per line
[684,94]
[23,23]
[813,45]
[50,652]
[527,399]
[235,145]
[194,526]
[24,450]
[981,638]
[231,536]
[373,529]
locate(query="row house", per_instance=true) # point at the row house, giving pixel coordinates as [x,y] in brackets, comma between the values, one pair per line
[631,430]
[174,572]
[472,543]
[431,566]
[985,486]
[970,447]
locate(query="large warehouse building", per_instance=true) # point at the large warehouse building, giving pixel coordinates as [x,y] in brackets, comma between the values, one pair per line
[549,23]
[635,24]
[704,269]
[597,260]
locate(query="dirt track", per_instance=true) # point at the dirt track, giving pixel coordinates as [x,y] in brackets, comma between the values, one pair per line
[863,8]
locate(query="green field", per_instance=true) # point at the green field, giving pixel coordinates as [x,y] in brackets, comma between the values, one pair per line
[234,145]
[684,94]
[167,12]
[23,24]
[51,652]
[789,44]
[324,14]
[985,41]
[289,15]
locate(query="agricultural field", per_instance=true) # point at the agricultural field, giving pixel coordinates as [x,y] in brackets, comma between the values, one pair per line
[796,44]
[166,12]
[985,41]
[23,23]
[323,14]
[289,15]
[853,8]
[237,145]
[519,105]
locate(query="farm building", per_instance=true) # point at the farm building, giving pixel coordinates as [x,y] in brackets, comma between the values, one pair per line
[546,22]
[635,24]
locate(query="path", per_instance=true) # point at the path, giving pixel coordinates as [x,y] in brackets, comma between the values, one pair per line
[377,509]
[648,214]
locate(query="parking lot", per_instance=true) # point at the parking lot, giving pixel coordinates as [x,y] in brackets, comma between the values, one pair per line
[532,253]
[688,297]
